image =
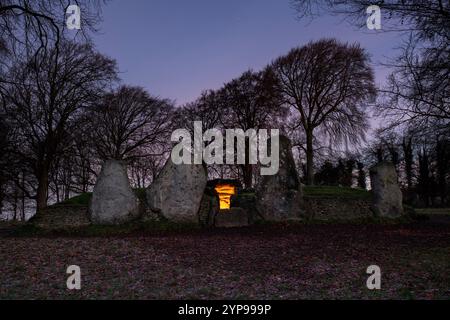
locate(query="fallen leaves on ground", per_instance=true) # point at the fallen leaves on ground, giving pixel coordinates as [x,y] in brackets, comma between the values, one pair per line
[261,262]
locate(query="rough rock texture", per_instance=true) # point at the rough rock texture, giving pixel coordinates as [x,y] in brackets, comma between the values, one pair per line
[209,207]
[177,192]
[387,196]
[113,200]
[279,197]
[234,217]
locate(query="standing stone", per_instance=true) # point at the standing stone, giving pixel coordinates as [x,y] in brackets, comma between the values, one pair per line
[177,192]
[113,200]
[387,196]
[279,197]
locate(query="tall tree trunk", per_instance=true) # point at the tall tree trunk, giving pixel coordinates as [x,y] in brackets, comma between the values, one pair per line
[442,167]
[379,153]
[424,177]
[67,180]
[15,196]
[309,158]
[23,196]
[1,196]
[408,155]
[85,178]
[57,190]
[67,191]
[42,190]
[247,168]
[248,175]
[361,176]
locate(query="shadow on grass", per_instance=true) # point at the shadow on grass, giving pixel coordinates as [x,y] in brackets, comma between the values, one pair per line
[336,192]
[134,228]
[354,221]
[138,228]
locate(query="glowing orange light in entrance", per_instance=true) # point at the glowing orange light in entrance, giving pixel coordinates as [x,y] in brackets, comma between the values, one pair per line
[225,191]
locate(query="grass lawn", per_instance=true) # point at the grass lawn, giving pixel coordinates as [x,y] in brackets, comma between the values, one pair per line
[282,261]
[80,200]
[434,211]
[336,192]
[84,198]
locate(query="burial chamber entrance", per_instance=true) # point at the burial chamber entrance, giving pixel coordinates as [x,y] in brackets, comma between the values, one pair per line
[228,213]
[224,192]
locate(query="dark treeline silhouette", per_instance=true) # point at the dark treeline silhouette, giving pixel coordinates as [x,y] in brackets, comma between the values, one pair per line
[346,172]
[64,111]
[318,91]
[417,91]
[422,162]
[328,85]
[414,105]
[44,102]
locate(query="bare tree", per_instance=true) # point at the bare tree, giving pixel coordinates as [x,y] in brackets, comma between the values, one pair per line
[3,162]
[207,109]
[329,84]
[44,99]
[442,154]
[29,24]
[129,124]
[84,163]
[427,18]
[144,170]
[251,102]
[408,156]
[417,92]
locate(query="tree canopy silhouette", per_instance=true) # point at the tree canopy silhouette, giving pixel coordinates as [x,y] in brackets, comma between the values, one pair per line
[329,85]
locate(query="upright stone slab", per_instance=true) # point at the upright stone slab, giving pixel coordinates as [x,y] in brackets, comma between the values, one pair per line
[232,218]
[387,196]
[113,200]
[279,197]
[177,192]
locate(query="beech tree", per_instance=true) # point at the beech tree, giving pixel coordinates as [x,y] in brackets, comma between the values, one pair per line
[36,25]
[417,92]
[251,102]
[329,85]
[207,109]
[427,19]
[129,123]
[44,100]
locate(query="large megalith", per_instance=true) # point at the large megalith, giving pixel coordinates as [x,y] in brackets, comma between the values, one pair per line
[279,197]
[177,192]
[386,193]
[113,201]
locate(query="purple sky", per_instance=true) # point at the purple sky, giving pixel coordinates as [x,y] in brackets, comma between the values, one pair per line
[177,48]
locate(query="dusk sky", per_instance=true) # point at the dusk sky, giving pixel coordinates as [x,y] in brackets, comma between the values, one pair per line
[177,48]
